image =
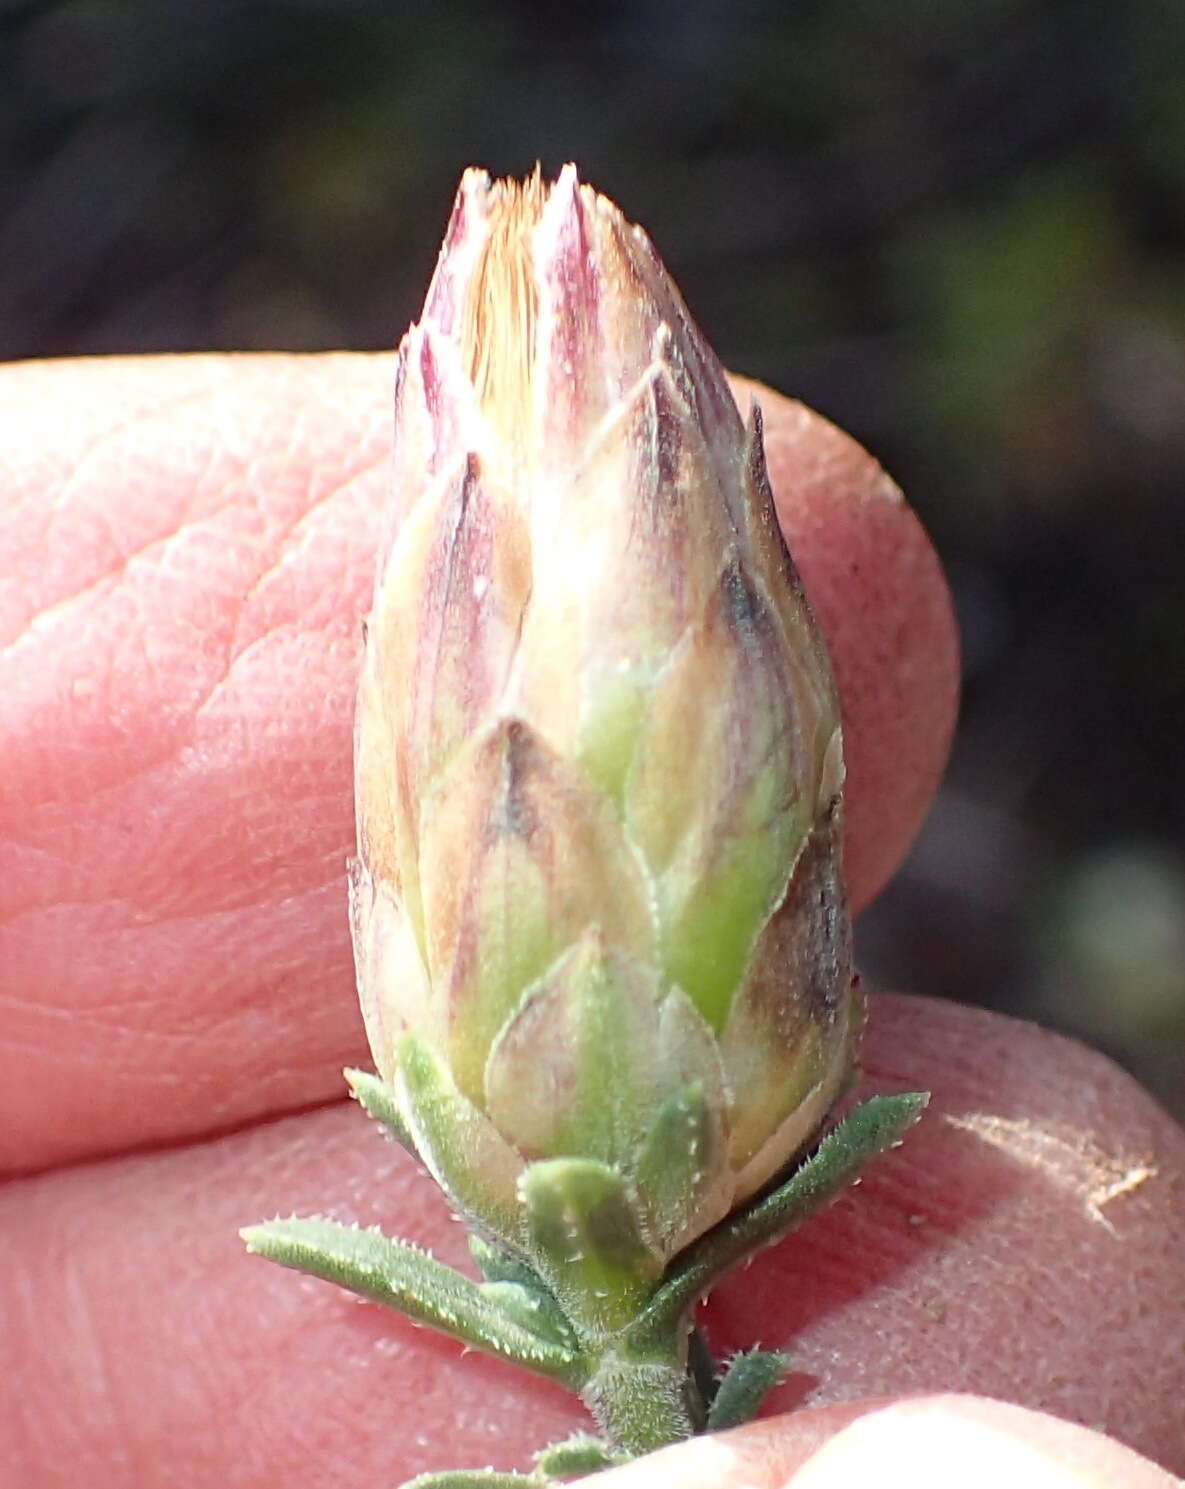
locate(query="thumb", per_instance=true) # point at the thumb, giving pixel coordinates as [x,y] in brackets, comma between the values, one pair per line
[926,1443]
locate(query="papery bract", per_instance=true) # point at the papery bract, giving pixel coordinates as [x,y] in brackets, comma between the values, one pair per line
[598,755]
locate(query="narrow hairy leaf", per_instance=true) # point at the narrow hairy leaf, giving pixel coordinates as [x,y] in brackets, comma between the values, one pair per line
[746,1383]
[377,1098]
[496,1264]
[577,1456]
[870,1130]
[400,1276]
[467,1157]
[681,1161]
[515,1284]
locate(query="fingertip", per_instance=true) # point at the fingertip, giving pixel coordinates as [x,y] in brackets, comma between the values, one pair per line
[976,1443]
[878,589]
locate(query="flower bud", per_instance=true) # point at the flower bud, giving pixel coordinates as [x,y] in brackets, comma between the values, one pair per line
[597,905]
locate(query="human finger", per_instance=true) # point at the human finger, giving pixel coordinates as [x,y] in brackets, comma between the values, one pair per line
[1023,1243]
[187,547]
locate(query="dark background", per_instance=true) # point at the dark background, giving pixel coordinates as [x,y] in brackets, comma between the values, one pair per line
[957,227]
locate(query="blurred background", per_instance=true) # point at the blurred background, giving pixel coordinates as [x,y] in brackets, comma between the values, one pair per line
[956,227]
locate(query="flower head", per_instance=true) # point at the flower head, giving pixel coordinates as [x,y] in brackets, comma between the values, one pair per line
[597,904]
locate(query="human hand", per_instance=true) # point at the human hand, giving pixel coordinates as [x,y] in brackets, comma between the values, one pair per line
[186,550]
[928,1442]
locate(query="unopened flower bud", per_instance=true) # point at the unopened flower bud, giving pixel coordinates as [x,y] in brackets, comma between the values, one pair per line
[599,923]
[597,895]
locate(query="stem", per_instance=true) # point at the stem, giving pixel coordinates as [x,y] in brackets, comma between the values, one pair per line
[644,1404]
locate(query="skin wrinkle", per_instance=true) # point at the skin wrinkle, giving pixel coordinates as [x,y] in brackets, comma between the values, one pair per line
[131,909]
[177,758]
[92,1354]
[239,656]
[165,544]
[138,765]
[142,1061]
[296,541]
[79,461]
[47,613]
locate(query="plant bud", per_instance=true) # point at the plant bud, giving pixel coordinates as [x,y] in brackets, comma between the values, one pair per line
[597,906]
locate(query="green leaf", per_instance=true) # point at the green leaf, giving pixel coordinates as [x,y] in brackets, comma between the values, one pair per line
[474,1166]
[400,1276]
[379,1101]
[576,1456]
[869,1131]
[496,1264]
[534,1308]
[747,1382]
[586,1241]
[515,1284]
[680,1164]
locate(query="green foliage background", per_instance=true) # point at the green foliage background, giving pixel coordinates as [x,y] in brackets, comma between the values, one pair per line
[956,228]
